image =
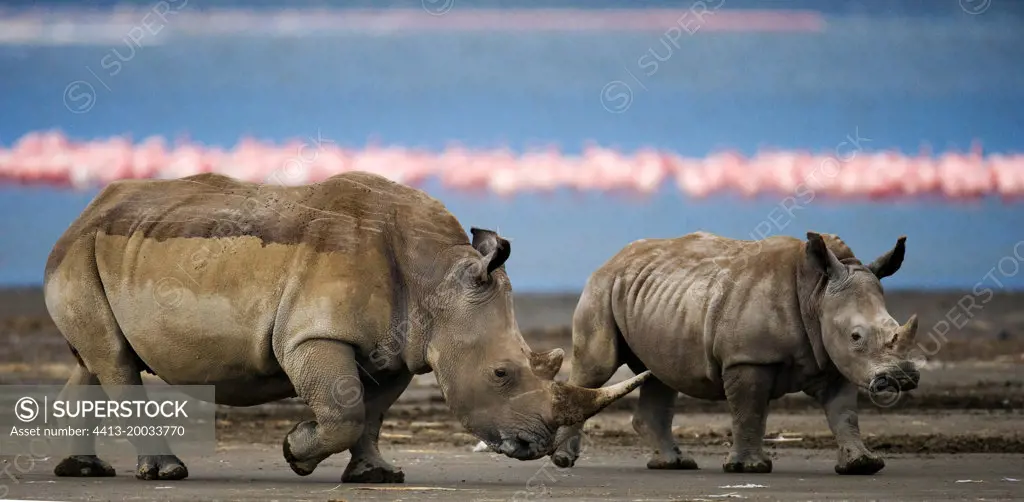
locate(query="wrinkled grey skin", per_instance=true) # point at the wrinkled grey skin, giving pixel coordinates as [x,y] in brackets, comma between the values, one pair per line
[745,322]
[337,292]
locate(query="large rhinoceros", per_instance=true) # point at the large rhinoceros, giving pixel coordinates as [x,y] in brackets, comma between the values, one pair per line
[746,322]
[269,292]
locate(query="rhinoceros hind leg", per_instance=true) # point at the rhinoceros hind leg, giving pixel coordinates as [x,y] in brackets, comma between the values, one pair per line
[84,466]
[155,459]
[652,420]
[325,374]
[160,467]
[83,462]
[748,390]
[367,465]
[83,315]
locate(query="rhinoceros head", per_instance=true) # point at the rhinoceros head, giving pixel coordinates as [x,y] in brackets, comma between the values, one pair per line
[502,391]
[865,343]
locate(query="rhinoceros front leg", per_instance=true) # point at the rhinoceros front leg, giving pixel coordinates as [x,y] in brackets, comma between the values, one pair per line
[840,403]
[653,422]
[595,358]
[589,371]
[367,464]
[324,373]
[748,389]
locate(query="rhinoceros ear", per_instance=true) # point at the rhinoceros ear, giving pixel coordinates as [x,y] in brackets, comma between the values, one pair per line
[890,262]
[494,249]
[822,258]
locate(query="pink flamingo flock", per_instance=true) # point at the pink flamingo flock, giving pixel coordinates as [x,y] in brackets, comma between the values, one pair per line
[51,158]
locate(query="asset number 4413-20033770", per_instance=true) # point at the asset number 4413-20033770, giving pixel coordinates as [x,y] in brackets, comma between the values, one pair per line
[139,430]
[107,430]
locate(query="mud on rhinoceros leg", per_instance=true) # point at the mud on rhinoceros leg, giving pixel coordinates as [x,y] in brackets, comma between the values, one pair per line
[325,374]
[652,420]
[839,399]
[367,465]
[748,390]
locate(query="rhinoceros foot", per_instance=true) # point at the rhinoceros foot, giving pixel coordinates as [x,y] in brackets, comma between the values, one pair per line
[563,459]
[161,467]
[298,467]
[752,464]
[760,467]
[865,464]
[676,460]
[84,466]
[568,451]
[365,472]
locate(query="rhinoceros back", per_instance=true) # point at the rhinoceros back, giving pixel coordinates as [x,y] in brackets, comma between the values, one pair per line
[690,305]
[333,215]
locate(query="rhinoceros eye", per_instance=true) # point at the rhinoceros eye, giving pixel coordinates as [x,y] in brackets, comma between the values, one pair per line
[500,372]
[855,337]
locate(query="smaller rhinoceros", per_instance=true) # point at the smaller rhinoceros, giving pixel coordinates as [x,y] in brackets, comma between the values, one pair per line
[746,322]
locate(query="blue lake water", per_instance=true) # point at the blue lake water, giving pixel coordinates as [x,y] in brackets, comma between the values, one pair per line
[915,76]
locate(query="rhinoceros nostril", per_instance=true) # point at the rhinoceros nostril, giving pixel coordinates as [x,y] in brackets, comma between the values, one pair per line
[513,447]
[906,373]
[881,383]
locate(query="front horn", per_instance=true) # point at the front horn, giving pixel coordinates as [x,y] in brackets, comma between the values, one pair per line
[574,405]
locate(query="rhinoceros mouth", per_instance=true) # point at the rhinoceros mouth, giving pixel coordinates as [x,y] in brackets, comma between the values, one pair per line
[521,448]
[883,383]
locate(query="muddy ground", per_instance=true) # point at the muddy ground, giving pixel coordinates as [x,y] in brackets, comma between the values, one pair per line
[965,422]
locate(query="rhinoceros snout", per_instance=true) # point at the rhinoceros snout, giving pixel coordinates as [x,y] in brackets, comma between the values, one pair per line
[906,375]
[903,377]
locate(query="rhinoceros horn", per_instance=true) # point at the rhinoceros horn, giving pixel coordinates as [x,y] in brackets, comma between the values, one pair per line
[906,334]
[546,364]
[573,404]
